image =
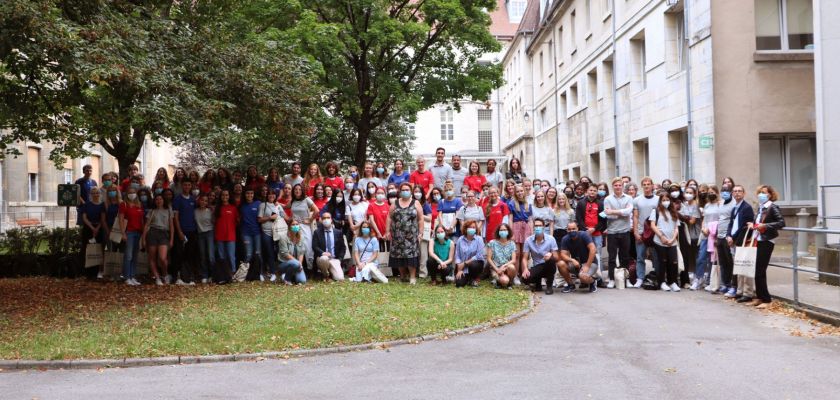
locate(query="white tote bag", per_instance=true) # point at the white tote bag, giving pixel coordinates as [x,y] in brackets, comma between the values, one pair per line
[116,232]
[744,259]
[93,255]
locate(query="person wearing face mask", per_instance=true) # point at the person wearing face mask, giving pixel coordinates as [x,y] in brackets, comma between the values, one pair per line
[689,245]
[420,196]
[93,224]
[370,191]
[328,246]
[377,213]
[542,249]
[185,255]
[722,250]
[113,199]
[267,217]
[768,221]
[441,256]
[132,217]
[742,213]
[495,212]
[471,211]
[421,177]
[501,257]
[145,197]
[391,190]
[204,226]
[381,173]
[404,230]
[664,224]
[469,256]
[643,206]
[569,192]
[522,214]
[447,209]
[435,197]
[708,230]
[577,252]
[226,216]
[365,252]
[292,251]
[356,210]
[337,207]
[603,190]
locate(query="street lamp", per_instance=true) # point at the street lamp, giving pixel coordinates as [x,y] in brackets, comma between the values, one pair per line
[526,116]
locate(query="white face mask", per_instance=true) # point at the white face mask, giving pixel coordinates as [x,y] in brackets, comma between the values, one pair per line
[418,195]
[666,204]
[195,192]
[371,190]
[675,194]
[689,197]
[380,197]
[132,196]
[357,198]
[339,199]
[326,222]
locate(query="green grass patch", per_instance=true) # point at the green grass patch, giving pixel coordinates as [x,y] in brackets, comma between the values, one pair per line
[115,321]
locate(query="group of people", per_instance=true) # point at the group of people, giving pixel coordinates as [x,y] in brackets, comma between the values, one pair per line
[451,223]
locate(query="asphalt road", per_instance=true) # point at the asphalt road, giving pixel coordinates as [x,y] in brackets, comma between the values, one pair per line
[611,344]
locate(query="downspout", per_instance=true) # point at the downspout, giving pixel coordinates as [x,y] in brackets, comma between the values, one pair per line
[690,129]
[615,97]
[2,196]
[556,104]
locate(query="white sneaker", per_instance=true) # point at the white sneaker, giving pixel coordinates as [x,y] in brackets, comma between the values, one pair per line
[674,287]
[192,283]
[664,286]
[158,282]
[179,282]
[412,281]
[691,276]
[167,279]
[638,283]
[135,281]
[695,285]
[272,278]
[709,288]
[262,278]
[516,281]
[99,276]
[204,280]
[129,282]
[611,284]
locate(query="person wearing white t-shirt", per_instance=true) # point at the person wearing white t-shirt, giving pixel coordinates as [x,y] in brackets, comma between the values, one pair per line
[664,224]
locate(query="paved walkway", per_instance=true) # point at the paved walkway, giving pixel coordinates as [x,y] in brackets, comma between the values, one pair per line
[629,344]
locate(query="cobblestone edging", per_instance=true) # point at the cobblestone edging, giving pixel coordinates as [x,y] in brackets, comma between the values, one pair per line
[177,360]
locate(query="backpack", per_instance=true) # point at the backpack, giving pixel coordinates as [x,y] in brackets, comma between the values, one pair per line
[650,282]
[647,233]
[254,268]
[221,272]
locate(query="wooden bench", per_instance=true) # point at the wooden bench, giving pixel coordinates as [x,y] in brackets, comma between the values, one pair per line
[29,223]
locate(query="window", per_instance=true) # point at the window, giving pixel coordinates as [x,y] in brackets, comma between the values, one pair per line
[678,154]
[68,176]
[33,187]
[411,128]
[637,44]
[789,164]
[592,86]
[641,159]
[784,25]
[587,16]
[682,45]
[560,53]
[543,120]
[573,96]
[447,127]
[542,70]
[572,33]
[608,6]
[516,9]
[595,166]
[485,130]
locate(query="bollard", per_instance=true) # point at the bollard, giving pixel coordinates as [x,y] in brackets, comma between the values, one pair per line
[802,222]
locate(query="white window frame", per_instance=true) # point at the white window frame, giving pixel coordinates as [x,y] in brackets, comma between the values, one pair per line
[34,193]
[447,125]
[783,31]
[68,176]
[786,181]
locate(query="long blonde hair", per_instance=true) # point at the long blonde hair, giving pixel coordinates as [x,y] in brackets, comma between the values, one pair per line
[567,208]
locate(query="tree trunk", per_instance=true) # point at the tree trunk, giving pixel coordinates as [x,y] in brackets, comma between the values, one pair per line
[360,156]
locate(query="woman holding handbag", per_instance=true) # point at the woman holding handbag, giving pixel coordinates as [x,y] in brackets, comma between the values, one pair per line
[158,237]
[365,252]
[711,213]
[768,221]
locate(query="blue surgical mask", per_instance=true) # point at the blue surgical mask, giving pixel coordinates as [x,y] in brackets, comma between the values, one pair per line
[602,193]
[763,197]
[365,231]
[380,170]
[436,197]
[449,193]
[106,183]
[726,195]
[440,235]
[405,194]
[354,175]
[470,231]
[135,186]
[538,230]
[144,198]
[112,195]
[295,228]
[158,191]
[503,234]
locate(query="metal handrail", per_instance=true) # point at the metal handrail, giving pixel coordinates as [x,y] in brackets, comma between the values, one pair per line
[795,256]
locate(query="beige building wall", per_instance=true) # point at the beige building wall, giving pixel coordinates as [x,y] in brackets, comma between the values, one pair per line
[516,97]
[756,94]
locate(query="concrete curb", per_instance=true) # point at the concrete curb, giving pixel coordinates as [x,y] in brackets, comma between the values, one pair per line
[177,360]
[819,314]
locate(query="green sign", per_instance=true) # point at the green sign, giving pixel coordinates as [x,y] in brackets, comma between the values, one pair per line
[707,141]
[68,195]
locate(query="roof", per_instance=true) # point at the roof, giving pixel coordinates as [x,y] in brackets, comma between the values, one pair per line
[500,25]
[531,19]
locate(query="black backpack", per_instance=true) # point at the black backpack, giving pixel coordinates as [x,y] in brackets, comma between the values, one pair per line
[221,272]
[254,268]
[650,282]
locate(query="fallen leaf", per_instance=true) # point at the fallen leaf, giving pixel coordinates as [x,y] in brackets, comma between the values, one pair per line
[671,370]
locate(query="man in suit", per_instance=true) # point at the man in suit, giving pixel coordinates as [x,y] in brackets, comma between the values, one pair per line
[328,246]
[742,213]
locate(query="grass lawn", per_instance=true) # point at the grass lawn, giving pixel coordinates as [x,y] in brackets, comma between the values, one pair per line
[44,318]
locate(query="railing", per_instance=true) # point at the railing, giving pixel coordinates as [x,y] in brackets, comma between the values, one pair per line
[51,217]
[796,266]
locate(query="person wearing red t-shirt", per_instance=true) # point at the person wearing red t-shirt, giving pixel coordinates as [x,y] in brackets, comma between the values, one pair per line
[131,220]
[311,178]
[284,200]
[495,212]
[474,180]
[319,197]
[333,179]
[227,218]
[253,180]
[378,213]
[421,177]
[591,218]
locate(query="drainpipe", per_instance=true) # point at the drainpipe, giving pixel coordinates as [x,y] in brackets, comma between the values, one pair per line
[690,129]
[2,198]
[556,104]
[615,97]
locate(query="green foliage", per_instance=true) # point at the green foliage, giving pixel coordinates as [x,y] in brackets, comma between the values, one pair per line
[74,72]
[63,242]
[23,241]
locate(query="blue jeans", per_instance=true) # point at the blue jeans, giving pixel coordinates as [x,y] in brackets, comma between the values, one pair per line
[269,255]
[132,246]
[702,260]
[227,252]
[292,271]
[640,260]
[599,243]
[207,252]
[251,244]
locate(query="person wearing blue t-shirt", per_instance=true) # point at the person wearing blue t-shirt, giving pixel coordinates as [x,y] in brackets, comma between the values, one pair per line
[85,185]
[399,175]
[448,206]
[185,255]
[250,226]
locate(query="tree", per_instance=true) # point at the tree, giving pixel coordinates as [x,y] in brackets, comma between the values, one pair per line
[385,60]
[114,72]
